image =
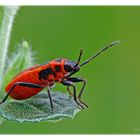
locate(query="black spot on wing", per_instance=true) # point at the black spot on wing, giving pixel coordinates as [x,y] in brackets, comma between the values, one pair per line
[45,73]
[57,68]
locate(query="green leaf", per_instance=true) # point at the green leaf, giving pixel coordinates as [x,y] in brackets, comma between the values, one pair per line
[37,108]
[19,60]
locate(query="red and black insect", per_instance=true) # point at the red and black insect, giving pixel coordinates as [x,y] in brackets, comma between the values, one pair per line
[32,80]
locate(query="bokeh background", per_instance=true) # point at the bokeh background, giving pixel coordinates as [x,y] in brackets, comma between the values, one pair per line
[113,89]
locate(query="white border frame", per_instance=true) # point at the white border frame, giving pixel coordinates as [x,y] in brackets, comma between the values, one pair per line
[70,137]
[69,2]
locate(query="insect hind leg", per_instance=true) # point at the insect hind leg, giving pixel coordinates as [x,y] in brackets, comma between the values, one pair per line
[25,84]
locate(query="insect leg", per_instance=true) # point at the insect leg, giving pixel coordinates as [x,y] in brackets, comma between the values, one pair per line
[20,84]
[68,89]
[77,79]
[50,98]
[69,83]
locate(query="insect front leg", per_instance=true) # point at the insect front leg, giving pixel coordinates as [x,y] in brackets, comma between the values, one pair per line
[77,79]
[68,89]
[69,83]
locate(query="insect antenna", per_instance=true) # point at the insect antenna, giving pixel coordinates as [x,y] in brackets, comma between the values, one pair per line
[79,58]
[98,53]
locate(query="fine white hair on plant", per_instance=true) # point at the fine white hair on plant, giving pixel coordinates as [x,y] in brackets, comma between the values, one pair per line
[9,13]
[18,61]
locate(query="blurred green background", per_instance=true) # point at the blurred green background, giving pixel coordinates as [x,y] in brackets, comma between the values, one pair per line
[113,90]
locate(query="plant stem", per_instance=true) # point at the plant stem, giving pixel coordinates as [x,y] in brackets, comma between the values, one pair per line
[9,13]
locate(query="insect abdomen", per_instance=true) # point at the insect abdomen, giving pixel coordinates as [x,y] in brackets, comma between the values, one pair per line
[22,92]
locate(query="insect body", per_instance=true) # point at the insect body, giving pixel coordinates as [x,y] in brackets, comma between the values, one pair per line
[33,80]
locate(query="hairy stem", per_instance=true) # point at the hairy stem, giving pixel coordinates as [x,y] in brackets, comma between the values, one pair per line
[9,13]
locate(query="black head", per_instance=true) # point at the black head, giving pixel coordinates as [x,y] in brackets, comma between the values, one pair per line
[71,66]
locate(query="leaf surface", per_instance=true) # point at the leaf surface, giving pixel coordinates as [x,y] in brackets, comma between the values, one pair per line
[38,108]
